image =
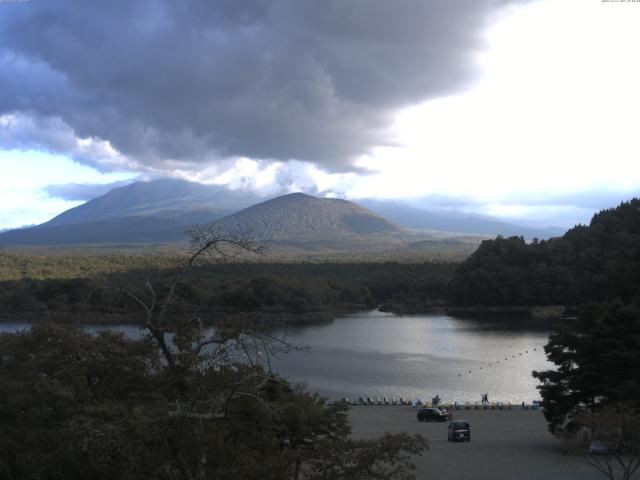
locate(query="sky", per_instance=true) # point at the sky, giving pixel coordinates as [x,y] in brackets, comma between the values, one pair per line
[522,109]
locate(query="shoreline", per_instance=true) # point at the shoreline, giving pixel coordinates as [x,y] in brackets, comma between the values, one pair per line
[498,313]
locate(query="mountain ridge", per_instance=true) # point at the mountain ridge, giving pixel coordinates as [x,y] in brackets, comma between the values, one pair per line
[459,222]
[298,215]
[160,211]
[164,198]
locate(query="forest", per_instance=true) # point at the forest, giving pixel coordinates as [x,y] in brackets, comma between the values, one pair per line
[79,288]
[588,263]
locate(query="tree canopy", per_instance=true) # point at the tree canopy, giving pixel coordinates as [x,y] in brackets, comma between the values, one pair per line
[177,404]
[597,364]
[589,263]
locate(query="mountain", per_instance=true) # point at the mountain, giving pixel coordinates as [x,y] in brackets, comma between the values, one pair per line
[160,211]
[412,217]
[298,215]
[185,202]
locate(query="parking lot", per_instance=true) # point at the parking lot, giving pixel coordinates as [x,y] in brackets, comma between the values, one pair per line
[505,444]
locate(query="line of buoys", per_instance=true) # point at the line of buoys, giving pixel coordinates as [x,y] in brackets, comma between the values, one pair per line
[534,405]
[378,401]
[506,359]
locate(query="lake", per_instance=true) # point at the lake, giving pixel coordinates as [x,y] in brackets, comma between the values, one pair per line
[412,356]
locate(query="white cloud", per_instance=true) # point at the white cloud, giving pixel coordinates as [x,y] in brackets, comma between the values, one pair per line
[555,112]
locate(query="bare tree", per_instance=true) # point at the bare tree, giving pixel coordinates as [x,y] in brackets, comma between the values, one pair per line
[186,345]
[208,244]
[218,398]
[613,438]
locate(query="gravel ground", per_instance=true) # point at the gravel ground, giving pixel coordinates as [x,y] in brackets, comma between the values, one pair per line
[505,444]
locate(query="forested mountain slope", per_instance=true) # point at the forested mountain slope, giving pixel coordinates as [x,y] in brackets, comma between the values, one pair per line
[588,263]
[303,216]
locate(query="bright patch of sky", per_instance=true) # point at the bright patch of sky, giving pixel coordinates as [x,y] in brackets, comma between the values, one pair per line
[555,113]
[25,174]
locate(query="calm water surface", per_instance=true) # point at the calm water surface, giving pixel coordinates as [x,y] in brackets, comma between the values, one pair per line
[414,356]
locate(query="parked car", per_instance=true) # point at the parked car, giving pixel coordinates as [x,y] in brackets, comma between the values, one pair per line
[598,448]
[431,415]
[459,431]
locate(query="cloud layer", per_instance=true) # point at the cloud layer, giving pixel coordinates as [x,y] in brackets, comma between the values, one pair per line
[164,84]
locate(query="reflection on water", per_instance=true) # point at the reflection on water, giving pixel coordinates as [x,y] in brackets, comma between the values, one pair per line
[381,354]
[131,331]
[417,356]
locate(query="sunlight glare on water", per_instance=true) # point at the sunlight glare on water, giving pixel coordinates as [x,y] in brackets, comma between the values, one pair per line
[374,354]
[417,356]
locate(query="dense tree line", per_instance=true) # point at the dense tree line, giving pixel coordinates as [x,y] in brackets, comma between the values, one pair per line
[588,263]
[69,263]
[219,290]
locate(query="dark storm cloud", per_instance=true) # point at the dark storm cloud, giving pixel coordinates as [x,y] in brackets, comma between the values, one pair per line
[193,81]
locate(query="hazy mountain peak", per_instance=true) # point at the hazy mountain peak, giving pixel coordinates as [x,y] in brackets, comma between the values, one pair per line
[165,198]
[454,221]
[161,211]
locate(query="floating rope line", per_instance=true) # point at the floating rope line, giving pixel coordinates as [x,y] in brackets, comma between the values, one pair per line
[497,362]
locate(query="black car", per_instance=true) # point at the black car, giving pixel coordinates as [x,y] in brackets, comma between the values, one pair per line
[431,414]
[459,431]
